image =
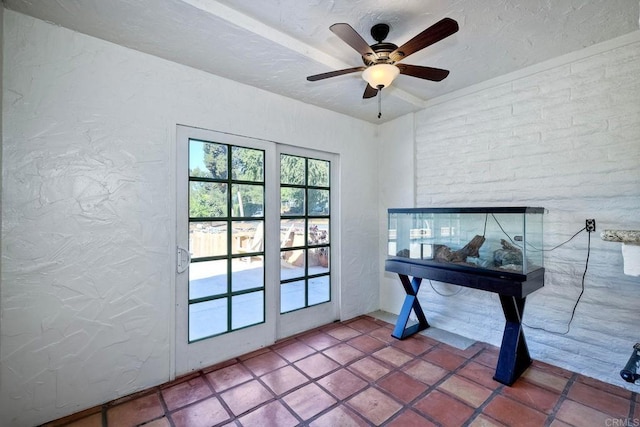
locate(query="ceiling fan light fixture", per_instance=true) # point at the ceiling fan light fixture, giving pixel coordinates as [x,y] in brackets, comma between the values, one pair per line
[380,75]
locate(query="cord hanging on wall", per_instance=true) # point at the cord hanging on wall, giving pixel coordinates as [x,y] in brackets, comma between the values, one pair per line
[584,274]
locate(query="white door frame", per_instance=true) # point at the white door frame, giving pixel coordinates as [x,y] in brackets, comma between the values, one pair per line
[188,357]
[196,355]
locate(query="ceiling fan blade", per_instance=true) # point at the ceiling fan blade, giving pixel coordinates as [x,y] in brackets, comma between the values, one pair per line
[353,39]
[427,73]
[321,76]
[369,92]
[431,35]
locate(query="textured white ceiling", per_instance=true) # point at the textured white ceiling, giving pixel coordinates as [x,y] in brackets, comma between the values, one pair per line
[275,44]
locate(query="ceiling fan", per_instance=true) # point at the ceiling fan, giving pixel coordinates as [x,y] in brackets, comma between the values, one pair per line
[382,58]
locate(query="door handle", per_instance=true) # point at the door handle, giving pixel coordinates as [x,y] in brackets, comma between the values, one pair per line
[184,259]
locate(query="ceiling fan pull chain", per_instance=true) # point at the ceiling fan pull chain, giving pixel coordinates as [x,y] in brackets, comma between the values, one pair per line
[379,102]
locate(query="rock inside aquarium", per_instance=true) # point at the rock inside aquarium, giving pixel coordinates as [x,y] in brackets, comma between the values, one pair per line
[509,255]
[404,253]
[480,262]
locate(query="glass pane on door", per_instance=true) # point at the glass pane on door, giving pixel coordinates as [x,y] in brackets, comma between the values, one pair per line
[207,319]
[305,247]
[207,279]
[226,238]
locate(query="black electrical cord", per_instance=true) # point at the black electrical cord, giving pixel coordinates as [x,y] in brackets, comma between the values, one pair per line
[444,295]
[486,217]
[535,249]
[563,243]
[505,233]
[575,306]
[586,266]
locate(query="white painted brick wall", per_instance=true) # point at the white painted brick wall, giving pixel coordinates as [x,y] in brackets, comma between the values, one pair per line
[568,139]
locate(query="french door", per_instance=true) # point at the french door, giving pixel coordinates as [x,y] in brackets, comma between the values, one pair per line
[308,277]
[253,256]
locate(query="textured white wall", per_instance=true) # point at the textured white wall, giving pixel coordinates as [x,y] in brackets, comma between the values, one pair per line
[89,211]
[564,135]
[396,189]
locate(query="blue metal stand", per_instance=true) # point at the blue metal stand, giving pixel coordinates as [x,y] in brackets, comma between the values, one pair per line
[512,288]
[411,288]
[514,356]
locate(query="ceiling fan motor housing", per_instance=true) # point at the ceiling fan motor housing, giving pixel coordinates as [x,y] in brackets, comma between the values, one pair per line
[379,32]
[383,50]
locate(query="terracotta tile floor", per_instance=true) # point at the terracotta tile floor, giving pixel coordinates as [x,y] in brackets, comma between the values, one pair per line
[354,374]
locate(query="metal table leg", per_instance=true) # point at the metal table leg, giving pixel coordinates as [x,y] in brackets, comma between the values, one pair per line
[401,331]
[514,356]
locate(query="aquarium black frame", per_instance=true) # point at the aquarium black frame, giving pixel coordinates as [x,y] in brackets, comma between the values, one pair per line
[468,210]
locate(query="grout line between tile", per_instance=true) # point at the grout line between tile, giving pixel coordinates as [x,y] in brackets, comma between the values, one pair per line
[563,396]
[409,405]
[480,409]
[370,383]
[495,392]
[339,402]
[632,408]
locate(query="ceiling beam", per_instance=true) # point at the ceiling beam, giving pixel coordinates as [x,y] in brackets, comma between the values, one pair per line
[254,26]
